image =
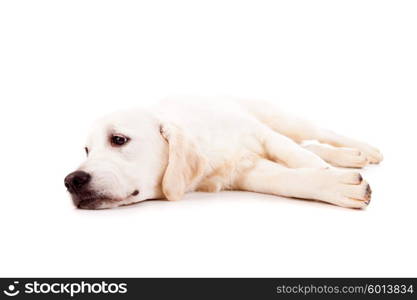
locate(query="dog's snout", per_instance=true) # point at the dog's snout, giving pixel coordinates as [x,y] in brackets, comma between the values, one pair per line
[77,180]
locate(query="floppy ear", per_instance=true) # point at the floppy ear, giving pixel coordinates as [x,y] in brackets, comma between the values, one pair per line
[185,163]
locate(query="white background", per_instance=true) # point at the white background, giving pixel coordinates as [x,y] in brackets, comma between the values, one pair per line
[348,65]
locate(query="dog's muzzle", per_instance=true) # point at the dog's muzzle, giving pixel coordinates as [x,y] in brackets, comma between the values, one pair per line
[77,185]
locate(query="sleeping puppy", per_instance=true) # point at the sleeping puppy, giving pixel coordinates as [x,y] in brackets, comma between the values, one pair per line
[204,144]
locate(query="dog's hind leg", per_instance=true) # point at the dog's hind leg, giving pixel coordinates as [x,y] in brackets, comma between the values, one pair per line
[342,188]
[300,130]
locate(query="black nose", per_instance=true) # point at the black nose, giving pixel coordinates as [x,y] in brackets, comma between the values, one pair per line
[76,181]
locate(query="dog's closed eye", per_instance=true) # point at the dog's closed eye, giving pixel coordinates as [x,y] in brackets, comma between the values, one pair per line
[86,150]
[117,140]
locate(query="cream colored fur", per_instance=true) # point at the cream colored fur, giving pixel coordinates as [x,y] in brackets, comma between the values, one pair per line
[207,144]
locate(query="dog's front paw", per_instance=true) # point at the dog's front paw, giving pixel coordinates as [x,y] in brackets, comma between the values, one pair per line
[348,158]
[347,189]
[373,155]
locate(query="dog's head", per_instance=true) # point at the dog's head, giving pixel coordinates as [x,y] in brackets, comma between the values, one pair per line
[131,157]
